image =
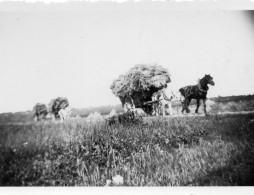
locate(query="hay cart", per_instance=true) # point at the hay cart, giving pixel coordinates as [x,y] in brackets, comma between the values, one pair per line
[156,104]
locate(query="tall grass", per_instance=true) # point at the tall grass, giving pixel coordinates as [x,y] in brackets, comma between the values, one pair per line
[156,152]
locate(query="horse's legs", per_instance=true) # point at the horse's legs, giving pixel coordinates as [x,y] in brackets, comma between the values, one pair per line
[183,106]
[158,107]
[163,108]
[53,117]
[170,108]
[182,100]
[155,109]
[204,103]
[61,117]
[187,103]
[163,105]
[198,103]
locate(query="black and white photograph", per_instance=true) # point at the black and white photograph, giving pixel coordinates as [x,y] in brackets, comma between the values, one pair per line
[126,94]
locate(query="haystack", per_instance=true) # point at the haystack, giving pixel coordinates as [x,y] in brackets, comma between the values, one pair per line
[112,113]
[57,104]
[40,111]
[93,117]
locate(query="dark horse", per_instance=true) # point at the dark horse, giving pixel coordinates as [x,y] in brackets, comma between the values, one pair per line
[197,92]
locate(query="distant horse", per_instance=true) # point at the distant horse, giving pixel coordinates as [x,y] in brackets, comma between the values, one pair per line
[64,113]
[197,92]
[165,102]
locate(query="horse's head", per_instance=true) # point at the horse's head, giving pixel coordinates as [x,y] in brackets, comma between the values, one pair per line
[209,80]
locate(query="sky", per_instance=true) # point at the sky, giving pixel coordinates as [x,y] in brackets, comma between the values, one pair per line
[77,52]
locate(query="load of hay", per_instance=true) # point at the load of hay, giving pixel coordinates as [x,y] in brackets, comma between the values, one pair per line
[40,112]
[57,104]
[139,83]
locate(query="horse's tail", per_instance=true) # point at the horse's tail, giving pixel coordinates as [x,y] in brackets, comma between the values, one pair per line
[182,94]
[182,91]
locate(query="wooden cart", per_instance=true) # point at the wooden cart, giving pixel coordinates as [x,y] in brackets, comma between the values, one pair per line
[156,104]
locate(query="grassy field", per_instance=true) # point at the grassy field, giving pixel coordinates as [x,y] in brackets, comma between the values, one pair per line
[184,151]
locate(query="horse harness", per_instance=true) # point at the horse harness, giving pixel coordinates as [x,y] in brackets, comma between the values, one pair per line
[190,90]
[202,90]
[163,94]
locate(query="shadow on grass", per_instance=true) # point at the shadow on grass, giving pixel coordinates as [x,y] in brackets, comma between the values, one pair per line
[239,170]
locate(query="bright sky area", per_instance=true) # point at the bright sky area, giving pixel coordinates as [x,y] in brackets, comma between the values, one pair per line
[77,54]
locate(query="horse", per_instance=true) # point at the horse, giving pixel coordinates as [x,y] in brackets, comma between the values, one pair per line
[64,113]
[163,101]
[197,92]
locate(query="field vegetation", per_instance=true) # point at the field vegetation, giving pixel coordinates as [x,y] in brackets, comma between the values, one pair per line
[178,151]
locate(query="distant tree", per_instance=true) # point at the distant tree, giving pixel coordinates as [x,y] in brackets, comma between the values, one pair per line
[40,112]
[57,104]
[139,84]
